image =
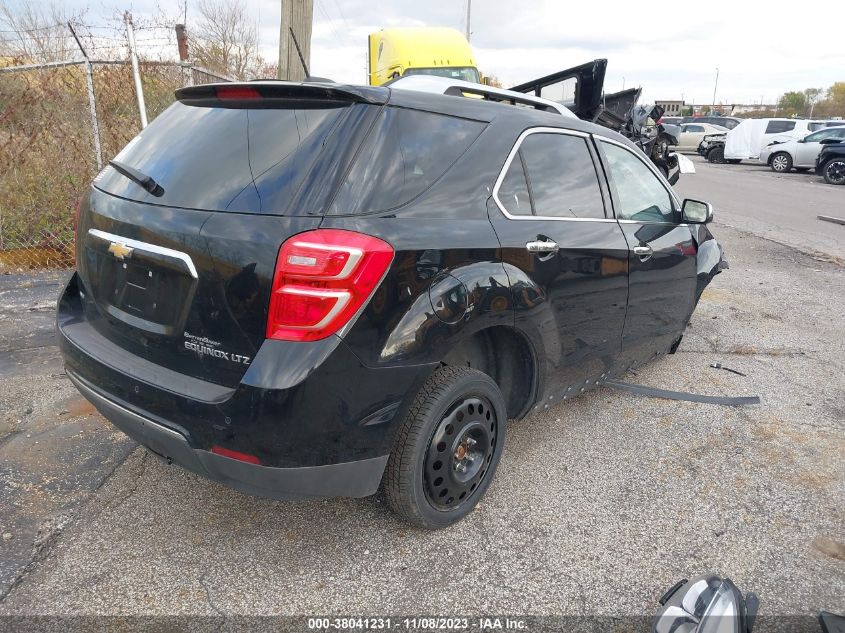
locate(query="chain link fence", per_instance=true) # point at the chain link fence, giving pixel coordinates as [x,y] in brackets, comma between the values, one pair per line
[49,139]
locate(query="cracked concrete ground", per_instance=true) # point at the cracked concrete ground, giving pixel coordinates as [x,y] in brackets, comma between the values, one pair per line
[599,504]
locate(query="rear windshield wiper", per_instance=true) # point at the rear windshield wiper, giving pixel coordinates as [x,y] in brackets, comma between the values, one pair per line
[139,177]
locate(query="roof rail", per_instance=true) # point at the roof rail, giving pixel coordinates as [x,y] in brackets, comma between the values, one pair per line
[459,88]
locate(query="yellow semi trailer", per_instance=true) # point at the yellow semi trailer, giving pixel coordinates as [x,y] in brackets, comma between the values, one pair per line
[398,52]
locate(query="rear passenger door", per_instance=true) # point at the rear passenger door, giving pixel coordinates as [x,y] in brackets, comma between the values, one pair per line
[662,262]
[566,259]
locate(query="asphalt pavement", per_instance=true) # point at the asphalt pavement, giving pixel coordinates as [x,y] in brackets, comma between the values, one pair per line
[599,504]
[780,207]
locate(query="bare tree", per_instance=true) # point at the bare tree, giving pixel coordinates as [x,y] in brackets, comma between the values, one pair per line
[226,39]
[36,31]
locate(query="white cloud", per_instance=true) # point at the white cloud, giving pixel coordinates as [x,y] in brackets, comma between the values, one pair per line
[670,50]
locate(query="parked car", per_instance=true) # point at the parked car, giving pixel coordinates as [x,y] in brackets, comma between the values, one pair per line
[831,163]
[693,133]
[670,120]
[727,122]
[747,140]
[801,154]
[303,290]
[712,147]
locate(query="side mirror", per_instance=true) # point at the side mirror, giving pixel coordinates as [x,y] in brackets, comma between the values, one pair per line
[801,140]
[697,212]
[707,604]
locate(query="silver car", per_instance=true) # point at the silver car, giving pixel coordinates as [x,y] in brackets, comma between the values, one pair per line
[782,155]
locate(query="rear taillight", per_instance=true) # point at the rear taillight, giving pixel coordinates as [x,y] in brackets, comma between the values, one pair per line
[322,279]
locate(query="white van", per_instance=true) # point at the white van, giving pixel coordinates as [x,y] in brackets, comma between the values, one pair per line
[746,140]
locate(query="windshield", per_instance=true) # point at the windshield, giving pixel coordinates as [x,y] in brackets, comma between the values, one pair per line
[464,73]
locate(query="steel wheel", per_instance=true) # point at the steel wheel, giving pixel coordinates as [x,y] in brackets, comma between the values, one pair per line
[459,453]
[781,163]
[834,172]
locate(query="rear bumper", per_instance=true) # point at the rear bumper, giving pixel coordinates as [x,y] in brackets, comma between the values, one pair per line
[315,419]
[351,479]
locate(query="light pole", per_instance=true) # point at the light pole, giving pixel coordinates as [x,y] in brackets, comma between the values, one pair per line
[715,85]
[469,12]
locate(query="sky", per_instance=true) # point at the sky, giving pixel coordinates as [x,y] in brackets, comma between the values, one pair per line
[672,52]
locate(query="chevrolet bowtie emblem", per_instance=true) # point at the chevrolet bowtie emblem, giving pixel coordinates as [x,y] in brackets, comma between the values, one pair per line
[120,251]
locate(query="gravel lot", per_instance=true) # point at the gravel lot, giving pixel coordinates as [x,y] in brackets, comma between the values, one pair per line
[599,504]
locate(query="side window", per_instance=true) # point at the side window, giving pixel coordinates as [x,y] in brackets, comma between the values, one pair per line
[694,128]
[776,127]
[561,176]
[404,154]
[815,137]
[641,196]
[513,192]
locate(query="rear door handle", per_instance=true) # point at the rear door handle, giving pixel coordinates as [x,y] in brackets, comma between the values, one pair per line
[643,252]
[542,246]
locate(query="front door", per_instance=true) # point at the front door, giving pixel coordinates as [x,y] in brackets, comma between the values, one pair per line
[662,257]
[566,260]
[807,151]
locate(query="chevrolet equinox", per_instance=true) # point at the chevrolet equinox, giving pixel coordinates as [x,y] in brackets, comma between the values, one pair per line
[310,290]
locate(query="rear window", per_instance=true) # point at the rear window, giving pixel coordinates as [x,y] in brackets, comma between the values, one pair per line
[406,152]
[225,159]
[776,127]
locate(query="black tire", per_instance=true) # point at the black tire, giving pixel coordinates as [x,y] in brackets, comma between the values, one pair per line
[834,171]
[423,481]
[716,155]
[733,161]
[781,163]
[802,170]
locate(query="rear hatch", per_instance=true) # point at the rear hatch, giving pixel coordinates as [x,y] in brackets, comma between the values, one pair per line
[177,269]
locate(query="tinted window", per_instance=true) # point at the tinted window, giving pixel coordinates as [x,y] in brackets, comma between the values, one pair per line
[225,158]
[562,176]
[513,192]
[694,128]
[403,155]
[776,127]
[640,195]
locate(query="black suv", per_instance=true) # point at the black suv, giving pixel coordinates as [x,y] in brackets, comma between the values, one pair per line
[831,162]
[306,290]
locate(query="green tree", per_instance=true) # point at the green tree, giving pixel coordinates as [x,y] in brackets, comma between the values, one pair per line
[792,103]
[811,97]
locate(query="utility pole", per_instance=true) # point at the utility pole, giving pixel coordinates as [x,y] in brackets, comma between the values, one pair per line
[623,82]
[713,107]
[182,43]
[295,39]
[469,11]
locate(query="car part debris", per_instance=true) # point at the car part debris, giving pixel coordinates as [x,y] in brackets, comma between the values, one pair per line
[828,218]
[652,392]
[706,604]
[721,366]
[581,89]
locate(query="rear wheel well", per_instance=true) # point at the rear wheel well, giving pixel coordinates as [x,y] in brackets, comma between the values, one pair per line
[504,355]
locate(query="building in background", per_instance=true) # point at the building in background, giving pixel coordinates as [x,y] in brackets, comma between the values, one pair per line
[673,108]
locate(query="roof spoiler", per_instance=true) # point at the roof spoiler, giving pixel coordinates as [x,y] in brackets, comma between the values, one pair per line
[273,93]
